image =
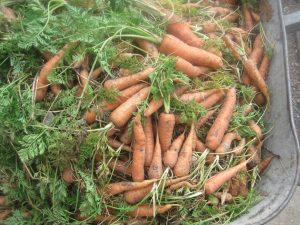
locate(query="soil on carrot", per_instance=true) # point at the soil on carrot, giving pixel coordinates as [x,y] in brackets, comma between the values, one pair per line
[61,147]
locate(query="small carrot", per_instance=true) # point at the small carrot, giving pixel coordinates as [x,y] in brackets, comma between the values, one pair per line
[217,180]
[156,168]
[96,73]
[149,211]
[171,155]
[90,117]
[262,166]
[68,176]
[120,187]
[124,82]
[254,126]
[200,147]
[125,138]
[184,161]
[123,113]
[149,150]
[166,124]
[240,147]
[219,127]
[138,158]
[226,143]
[189,69]
[2,200]
[204,119]
[120,167]
[212,99]
[171,45]
[248,22]
[183,32]
[230,45]
[116,144]
[180,185]
[147,46]
[55,88]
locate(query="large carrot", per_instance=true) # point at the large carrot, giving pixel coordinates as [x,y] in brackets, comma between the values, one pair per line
[248,22]
[138,158]
[171,155]
[40,86]
[212,99]
[149,141]
[184,161]
[219,127]
[230,45]
[147,46]
[254,75]
[166,124]
[120,167]
[116,144]
[156,168]
[197,96]
[149,211]
[125,82]
[226,143]
[120,187]
[189,69]
[123,113]
[183,32]
[216,181]
[171,45]
[204,119]
[124,95]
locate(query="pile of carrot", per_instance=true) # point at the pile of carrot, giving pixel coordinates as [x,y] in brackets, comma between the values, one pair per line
[156,149]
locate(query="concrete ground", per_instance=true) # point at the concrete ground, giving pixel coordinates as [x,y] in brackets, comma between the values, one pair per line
[291,214]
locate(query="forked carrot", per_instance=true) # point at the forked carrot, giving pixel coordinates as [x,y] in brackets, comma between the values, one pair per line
[68,176]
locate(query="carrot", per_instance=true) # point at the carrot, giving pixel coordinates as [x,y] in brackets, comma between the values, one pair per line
[204,119]
[147,46]
[90,117]
[125,137]
[120,167]
[217,180]
[180,185]
[248,22]
[156,168]
[197,96]
[212,99]
[228,14]
[47,55]
[171,155]
[125,82]
[124,72]
[149,141]
[55,88]
[171,45]
[254,126]
[40,86]
[2,200]
[123,113]
[200,147]
[265,162]
[184,161]
[149,211]
[96,73]
[124,95]
[240,147]
[138,156]
[112,131]
[166,123]
[189,69]
[255,16]
[226,143]
[4,214]
[116,144]
[264,67]
[183,32]
[209,27]
[219,127]
[120,187]
[237,31]
[230,45]
[258,50]
[68,176]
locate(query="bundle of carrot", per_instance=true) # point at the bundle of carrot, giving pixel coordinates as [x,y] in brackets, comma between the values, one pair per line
[142,112]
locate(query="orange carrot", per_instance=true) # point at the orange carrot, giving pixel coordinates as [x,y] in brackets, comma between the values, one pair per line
[147,46]
[171,155]
[183,32]
[116,144]
[96,73]
[189,69]
[55,88]
[120,167]
[124,82]
[124,72]
[171,45]
[204,119]
[212,99]
[149,211]
[125,137]
[255,16]
[166,123]
[219,127]
[230,45]
[254,126]
[248,22]
[124,96]
[258,50]
[209,27]
[217,180]
[68,176]
[265,162]
[90,117]
[200,147]
[240,147]
[264,67]
[120,187]
[156,168]
[184,161]
[198,96]
[138,158]
[149,141]
[123,113]
[2,200]
[226,143]
[40,86]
